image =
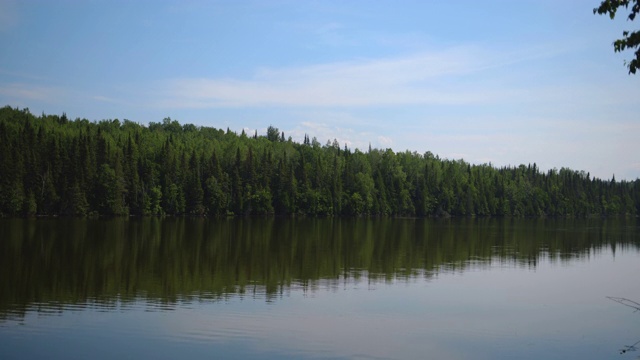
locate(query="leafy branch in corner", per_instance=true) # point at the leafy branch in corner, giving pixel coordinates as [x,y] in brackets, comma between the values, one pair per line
[630,39]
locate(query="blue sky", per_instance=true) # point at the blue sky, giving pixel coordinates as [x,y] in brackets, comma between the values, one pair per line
[506,82]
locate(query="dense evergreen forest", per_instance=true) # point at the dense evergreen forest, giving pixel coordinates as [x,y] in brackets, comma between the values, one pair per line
[50,165]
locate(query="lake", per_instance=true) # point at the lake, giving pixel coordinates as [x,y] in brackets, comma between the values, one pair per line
[318,288]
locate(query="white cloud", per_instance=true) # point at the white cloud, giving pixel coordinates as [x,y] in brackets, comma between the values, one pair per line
[385,141]
[344,133]
[20,91]
[53,97]
[425,78]
[324,132]
[104,99]
[333,34]
[17,74]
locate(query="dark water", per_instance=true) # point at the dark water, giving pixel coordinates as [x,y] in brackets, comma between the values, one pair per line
[318,288]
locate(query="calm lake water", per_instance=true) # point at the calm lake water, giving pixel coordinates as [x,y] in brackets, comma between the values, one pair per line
[318,288]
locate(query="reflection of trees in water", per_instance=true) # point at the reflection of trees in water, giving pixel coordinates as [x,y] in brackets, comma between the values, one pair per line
[118,261]
[636,307]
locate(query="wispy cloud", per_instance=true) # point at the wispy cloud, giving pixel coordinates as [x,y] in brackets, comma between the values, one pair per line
[105,99]
[385,140]
[21,91]
[324,132]
[331,34]
[345,134]
[426,78]
[21,75]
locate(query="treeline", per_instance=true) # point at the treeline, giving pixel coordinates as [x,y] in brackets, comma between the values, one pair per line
[50,165]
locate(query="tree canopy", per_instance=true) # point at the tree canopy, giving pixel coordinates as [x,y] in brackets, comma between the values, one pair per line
[630,39]
[50,165]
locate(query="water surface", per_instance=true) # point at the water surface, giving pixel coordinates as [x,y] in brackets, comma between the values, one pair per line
[318,288]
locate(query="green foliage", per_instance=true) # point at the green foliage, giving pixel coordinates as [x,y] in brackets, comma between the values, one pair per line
[50,166]
[109,192]
[630,39]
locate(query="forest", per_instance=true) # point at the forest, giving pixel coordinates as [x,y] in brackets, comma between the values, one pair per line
[51,165]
